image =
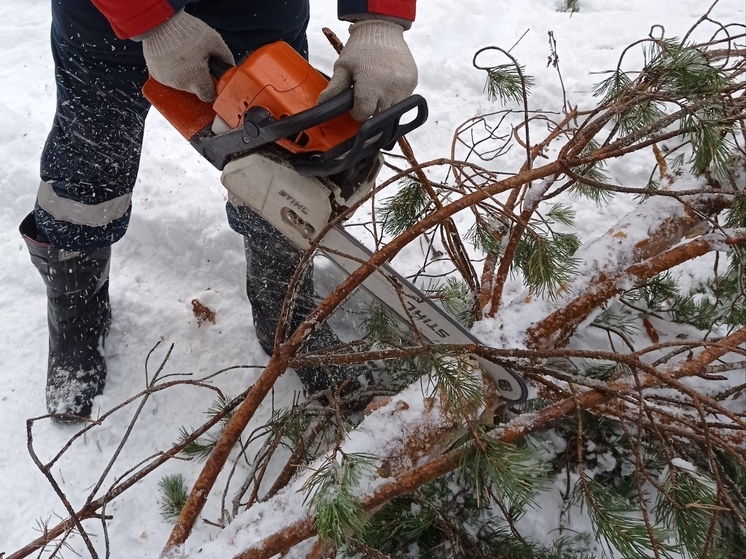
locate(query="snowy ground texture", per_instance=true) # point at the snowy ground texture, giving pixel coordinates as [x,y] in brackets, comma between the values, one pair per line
[179,246]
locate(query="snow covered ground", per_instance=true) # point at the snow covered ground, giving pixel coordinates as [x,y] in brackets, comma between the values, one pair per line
[179,246]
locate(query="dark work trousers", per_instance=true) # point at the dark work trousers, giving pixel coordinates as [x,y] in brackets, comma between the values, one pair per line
[90,160]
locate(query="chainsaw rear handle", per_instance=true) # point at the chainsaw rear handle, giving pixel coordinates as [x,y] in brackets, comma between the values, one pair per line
[218,67]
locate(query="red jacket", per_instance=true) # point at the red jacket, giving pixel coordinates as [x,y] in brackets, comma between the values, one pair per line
[134,17]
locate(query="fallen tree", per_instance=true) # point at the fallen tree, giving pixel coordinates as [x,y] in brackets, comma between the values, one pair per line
[687,99]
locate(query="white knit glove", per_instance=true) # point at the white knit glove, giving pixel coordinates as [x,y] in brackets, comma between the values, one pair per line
[377,61]
[178,50]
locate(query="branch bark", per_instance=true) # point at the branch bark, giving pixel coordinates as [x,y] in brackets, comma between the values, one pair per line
[653,228]
[559,325]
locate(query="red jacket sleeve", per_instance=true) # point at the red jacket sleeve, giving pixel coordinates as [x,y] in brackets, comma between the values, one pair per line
[134,17]
[354,9]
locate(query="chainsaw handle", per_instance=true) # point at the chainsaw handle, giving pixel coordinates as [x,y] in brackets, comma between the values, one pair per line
[381,131]
[297,123]
[292,125]
[260,128]
[218,67]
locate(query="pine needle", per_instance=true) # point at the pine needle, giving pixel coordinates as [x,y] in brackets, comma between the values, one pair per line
[174,495]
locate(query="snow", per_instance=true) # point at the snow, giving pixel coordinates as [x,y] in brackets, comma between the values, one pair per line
[179,248]
[377,431]
[682,464]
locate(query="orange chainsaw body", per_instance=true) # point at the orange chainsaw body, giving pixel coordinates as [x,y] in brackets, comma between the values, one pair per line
[274,77]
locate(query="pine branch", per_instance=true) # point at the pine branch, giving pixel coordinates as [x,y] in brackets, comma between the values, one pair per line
[512,472]
[571,156]
[504,83]
[639,262]
[330,493]
[401,211]
[547,263]
[457,299]
[380,326]
[616,521]
[458,381]
[199,449]
[687,505]
[285,537]
[174,494]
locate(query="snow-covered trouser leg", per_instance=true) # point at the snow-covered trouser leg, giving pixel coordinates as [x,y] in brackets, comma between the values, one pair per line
[91,157]
[271,261]
[78,316]
[88,169]
[90,161]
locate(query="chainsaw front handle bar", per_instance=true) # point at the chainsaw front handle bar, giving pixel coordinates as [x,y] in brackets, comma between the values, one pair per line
[260,129]
[262,126]
[381,131]
[292,125]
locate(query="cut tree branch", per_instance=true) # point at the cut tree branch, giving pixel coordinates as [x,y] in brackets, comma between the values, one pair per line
[286,537]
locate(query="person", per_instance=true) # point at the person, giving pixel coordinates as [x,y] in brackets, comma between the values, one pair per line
[103,51]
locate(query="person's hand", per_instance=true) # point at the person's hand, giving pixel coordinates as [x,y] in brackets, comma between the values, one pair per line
[377,62]
[177,54]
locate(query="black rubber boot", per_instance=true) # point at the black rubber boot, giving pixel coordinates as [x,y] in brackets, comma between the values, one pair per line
[271,261]
[78,315]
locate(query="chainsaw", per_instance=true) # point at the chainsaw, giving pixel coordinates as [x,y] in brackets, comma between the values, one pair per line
[300,165]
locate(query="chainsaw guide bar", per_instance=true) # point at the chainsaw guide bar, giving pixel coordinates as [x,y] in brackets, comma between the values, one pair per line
[300,165]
